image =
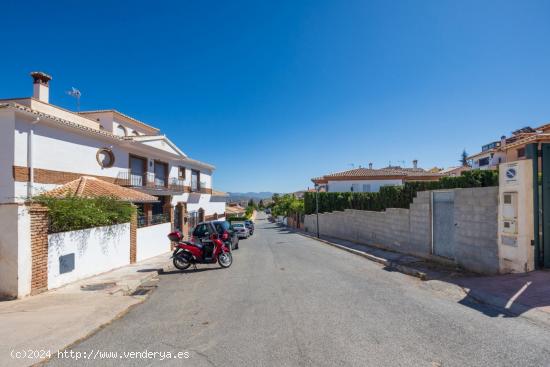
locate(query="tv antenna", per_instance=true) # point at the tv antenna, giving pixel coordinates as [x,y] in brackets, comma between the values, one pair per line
[76,94]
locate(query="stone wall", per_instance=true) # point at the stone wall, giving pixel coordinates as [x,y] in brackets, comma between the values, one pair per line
[409,230]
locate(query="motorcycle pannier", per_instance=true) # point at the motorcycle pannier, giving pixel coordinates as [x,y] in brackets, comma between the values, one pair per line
[175,236]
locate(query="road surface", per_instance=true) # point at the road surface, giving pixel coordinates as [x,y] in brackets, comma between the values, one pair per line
[292,301]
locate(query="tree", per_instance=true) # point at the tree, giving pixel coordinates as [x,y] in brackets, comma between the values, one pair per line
[286,205]
[261,204]
[464,158]
[251,202]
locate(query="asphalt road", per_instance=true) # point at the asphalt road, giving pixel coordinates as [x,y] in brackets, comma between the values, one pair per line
[292,301]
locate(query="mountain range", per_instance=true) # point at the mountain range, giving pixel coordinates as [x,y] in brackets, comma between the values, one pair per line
[238,196]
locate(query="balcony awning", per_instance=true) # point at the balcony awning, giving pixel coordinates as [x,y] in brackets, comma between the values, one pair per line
[87,186]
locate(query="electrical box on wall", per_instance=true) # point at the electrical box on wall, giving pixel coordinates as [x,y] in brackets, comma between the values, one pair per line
[509,212]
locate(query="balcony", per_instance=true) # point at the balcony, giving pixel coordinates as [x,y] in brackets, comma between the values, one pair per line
[202,189]
[150,181]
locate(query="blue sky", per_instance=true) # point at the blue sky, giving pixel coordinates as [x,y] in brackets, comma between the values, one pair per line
[276,92]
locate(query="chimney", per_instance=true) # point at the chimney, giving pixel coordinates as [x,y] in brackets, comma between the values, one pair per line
[503,140]
[41,87]
[415,163]
[370,165]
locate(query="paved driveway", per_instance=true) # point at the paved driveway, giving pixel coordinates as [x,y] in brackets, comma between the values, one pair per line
[292,301]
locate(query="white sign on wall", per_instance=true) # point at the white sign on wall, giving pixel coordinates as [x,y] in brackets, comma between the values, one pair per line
[511,174]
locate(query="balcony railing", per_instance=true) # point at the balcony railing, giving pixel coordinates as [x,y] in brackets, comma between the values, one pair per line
[149,180]
[202,189]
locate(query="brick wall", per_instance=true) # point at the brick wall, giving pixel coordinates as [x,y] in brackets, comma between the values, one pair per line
[133,238]
[39,248]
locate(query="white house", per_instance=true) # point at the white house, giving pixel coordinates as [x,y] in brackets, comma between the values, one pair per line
[372,179]
[43,146]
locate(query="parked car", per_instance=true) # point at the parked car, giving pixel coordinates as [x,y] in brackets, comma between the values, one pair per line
[250,225]
[222,228]
[240,229]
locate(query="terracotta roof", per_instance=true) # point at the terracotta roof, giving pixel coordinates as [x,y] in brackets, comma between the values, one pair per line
[365,173]
[87,186]
[235,209]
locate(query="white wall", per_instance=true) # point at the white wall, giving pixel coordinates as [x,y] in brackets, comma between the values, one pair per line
[515,251]
[210,207]
[24,260]
[7,125]
[15,251]
[345,186]
[96,250]
[152,241]
[8,250]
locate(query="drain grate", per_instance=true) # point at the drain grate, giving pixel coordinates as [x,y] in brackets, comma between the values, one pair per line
[143,290]
[97,286]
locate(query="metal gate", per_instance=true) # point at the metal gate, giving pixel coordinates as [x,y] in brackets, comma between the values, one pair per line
[541,202]
[443,224]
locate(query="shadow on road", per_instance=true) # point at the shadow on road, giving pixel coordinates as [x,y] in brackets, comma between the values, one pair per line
[187,271]
[508,295]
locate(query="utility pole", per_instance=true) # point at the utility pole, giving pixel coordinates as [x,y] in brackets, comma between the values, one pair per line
[317,187]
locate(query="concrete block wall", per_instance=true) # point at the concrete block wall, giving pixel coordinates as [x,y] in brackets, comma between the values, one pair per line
[476,230]
[409,230]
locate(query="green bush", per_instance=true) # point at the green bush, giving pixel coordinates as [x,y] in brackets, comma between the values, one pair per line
[395,196]
[236,219]
[72,213]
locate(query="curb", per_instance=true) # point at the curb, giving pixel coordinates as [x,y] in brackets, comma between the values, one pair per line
[388,263]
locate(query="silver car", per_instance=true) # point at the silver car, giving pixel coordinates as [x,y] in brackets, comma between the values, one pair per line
[240,229]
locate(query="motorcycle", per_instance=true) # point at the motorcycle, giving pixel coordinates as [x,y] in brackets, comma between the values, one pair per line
[203,252]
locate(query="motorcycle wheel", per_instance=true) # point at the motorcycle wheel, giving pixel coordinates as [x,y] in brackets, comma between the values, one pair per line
[181,262]
[225,259]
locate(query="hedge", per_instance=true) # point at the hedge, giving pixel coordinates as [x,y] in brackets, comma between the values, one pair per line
[73,213]
[395,196]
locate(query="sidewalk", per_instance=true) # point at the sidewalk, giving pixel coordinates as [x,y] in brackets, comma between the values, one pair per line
[510,295]
[55,319]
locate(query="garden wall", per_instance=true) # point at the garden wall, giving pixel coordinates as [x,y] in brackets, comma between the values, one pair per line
[153,241]
[409,231]
[79,254]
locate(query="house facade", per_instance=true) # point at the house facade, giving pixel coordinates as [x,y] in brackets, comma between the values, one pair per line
[43,146]
[372,179]
[508,149]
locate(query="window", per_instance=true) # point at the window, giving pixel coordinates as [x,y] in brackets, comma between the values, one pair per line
[366,187]
[138,167]
[105,157]
[483,162]
[181,172]
[355,188]
[195,180]
[121,131]
[201,231]
[160,174]
[521,152]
